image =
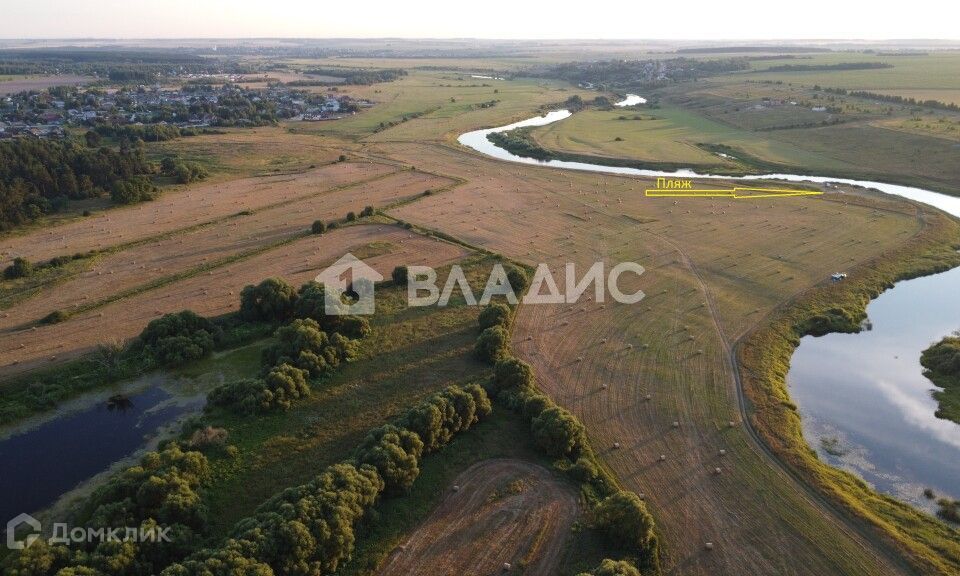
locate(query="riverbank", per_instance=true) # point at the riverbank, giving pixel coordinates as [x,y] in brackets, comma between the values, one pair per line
[940,362]
[523,142]
[764,356]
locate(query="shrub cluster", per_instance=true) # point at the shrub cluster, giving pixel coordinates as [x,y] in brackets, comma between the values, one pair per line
[304,344]
[613,568]
[177,338]
[20,268]
[183,172]
[272,300]
[160,492]
[312,345]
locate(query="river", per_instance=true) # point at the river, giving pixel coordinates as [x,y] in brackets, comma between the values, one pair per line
[864,403]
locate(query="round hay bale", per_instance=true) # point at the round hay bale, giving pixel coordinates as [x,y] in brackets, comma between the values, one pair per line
[456,488]
[676,424]
[708,545]
[507,566]
[716,470]
[723,452]
[663,457]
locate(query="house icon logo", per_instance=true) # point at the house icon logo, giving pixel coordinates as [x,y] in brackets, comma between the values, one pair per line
[12,525]
[348,286]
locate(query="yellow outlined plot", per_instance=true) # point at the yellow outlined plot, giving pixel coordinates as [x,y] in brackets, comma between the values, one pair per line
[671,188]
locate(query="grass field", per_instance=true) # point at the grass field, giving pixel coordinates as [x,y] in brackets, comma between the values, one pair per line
[939,70]
[667,134]
[770,128]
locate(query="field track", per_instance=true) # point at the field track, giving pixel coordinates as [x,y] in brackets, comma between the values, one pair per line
[504,511]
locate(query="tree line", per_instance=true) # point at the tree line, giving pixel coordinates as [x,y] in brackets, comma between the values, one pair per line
[893,98]
[619,514]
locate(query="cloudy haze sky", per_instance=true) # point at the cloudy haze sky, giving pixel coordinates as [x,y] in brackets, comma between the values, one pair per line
[731,19]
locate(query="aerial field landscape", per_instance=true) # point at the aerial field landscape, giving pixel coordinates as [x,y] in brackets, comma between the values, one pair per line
[366,306]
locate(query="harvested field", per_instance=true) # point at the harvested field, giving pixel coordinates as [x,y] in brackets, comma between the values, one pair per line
[714,268]
[217,291]
[505,511]
[175,254]
[27,83]
[178,210]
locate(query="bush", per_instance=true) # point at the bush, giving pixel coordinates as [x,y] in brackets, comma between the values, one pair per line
[495,314]
[492,344]
[438,418]
[241,396]
[395,453]
[518,278]
[318,227]
[208,436]
[585,470]
[284,384]
[132,190]
[367,211]
[272,300]
[177,338]
[351,216]
[626,522]
[613,568]
[400,275]
[535,404]
[21,268]
[303,344]
[277,390]
[311,303]
[55,317]
[558,432]
[512,373]
[949,510]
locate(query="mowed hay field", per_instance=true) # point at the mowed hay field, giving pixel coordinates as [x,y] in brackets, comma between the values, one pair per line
[217,291]
[207,247]
[501,511]
[714,268]
[197,205]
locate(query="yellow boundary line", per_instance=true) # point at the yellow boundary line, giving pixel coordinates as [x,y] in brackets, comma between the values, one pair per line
[728,193]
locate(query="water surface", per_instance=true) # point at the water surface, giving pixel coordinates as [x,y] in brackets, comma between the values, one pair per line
[42,462]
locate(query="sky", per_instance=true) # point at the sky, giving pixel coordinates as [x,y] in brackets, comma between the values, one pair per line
[500,19]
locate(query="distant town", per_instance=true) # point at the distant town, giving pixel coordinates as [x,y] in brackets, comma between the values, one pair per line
[201,102]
